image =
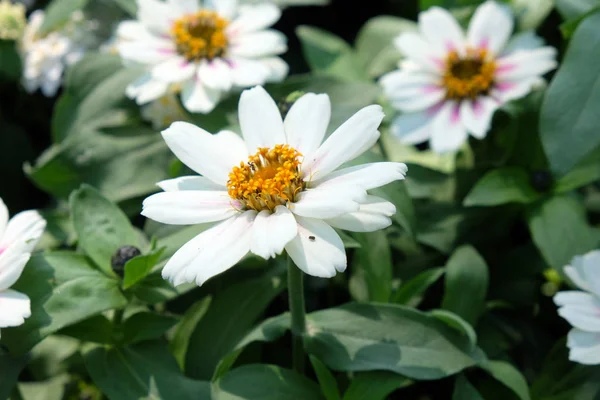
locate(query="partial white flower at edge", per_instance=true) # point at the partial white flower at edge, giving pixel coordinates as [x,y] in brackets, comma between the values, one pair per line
[202,48]
[277,188]
[581,308]
[451,83]
[18,237]
[45,57]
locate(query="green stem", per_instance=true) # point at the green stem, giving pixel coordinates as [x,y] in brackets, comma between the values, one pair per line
[298,314]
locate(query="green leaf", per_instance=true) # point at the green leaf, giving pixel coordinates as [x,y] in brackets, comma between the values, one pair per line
[328,54]
[97,329]
[463,390]
[585,172]
[64,289]
[366,337]
[375,385]
[264,382]
[569,118]
[410,292]
[456,322]
[374,45]
[326,379]
[466,284]
[531,13]
[560,230]
[145,326]
[10,61]
[501,186]
[10,368]
[129,6]
[139,267]
[142,371]
[52,389]
[58,13]
[509,376]
[570,9]
[232,313]
[373,265]
[101,226]
[181,339]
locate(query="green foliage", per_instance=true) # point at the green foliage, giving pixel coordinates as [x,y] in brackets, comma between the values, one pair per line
[59,12]
[500,186]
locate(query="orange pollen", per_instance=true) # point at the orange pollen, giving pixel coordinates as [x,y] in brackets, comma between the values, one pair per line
[270,178]
[468,76]
[200,35]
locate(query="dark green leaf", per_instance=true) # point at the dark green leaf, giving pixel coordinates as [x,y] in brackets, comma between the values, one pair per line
[139,267]
[375,385]
[145,326]
[365,337]
[570,9]
[410,291]
[181,339]
[97,329]
[500,186]
[510,377]
[569,118]
[129,6]
[463,390]
[327,381]
[585,172]
[264,382]
[373,265]
[10,62]
[101,226]
[64,289]
[466,284]
[58,13]
[142,371]
[10,368]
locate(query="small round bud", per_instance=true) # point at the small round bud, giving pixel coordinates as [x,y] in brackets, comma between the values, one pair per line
[120,258]
[287,102]
[541,180]
[12,20]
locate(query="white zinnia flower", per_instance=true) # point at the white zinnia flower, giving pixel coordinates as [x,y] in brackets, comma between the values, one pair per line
[18,237]
[46,56]
[451,83]
[275,189]
[205,50]
[582,308]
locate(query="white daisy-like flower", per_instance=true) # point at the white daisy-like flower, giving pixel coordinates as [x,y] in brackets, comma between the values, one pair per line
[46,56]
[581,308]
[18,237]
[277,188]
[451,83]
[205,49]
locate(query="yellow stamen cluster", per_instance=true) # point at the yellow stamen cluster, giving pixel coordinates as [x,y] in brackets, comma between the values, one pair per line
[200,35]
[468,76]
[271,177]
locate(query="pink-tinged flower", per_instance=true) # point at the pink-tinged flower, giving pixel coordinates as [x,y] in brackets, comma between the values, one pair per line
[277,188]
[203,48]
[18,237]
[451,82]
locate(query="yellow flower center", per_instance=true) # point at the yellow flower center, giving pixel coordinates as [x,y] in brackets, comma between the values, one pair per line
[200,35]
[468,76]
[270,178]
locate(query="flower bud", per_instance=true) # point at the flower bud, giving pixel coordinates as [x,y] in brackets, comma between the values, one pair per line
[120,258]
[541,180]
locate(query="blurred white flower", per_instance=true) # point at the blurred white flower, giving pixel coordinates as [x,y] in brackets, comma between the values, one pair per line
[164,111]
[581,308]
[46,56]
[12,20]
[277,188]
[451,83]
[205,50]
[18,237]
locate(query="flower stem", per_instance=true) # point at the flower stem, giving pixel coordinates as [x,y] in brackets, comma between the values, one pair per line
[298,314]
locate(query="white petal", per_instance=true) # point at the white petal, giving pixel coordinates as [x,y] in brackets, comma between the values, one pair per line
[24,228]
[490,27]
[175,69]
[507,91]
[215,74]
[189,207]
[226,8]
[523,41]
[325,203]
[365,176]
[14,308]
[307,121]
[211,252]
[448,133]
[357,132]
[247,73]
[440,28]
[260,120]
[580,309]
[199,98]
[477,115]
[185,6]
[12,262]
[420,99]
[413,128]
[272,231]
[253,18]
[526,64]
[210,155]
[418,50]
[146,89]
[189,183]
[317,249]
[278,69]
[584,347]
[577,277]
[259,44]
[374,214]
[3,217]
[591,269]
[157,15]
[148,51]
[403,82]
[133,30]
